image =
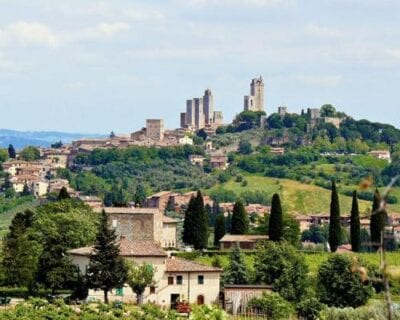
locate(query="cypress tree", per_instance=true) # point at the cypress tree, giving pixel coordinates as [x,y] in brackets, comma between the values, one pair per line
[275,225]
[355,224]
[11,152]
[200,223]
[188,227]
[236,272]
[63,194]
[26,191]
[335,232]
[219,229]
[107,269]
[378,220]
[240,221]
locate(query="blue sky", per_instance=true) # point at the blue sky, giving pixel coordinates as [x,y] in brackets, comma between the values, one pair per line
[97,66]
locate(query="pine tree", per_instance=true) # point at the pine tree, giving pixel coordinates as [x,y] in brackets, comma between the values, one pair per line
[200,223]
[335,232]
[355,224]
[106,269]
[108,199]
[63,194]
[236,272]
[275,225]
[11,152]
[188,222]
[140,196]
[219,229]
[240,221]
[378,220]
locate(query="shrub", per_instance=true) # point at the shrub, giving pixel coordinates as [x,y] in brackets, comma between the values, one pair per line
[272,305]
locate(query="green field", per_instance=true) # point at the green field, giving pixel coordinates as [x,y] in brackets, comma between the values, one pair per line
[296,197]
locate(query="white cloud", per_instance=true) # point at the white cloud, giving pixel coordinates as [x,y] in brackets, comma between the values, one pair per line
[322,31]
[109,29]
[318,80]
[222,3]
[28,34]
[76,85]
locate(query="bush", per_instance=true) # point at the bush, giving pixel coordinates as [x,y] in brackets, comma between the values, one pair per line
[376,311]
[340,283]
[272,305]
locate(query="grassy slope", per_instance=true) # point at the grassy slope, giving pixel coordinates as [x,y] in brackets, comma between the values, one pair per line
[295,196]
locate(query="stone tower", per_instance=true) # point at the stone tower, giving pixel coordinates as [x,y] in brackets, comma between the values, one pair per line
[255,101]
[208,105]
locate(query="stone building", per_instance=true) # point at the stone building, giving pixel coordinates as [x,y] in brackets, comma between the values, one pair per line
[208,103]
[175,279]
[282,110]
[255,101]
[200,113]
[155,129]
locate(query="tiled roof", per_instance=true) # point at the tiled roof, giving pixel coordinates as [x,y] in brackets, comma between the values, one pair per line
[128,249]
[169,220]
[180,265]
[242,238]
[131,210]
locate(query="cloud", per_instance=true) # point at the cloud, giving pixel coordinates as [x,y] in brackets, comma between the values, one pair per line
[76,85]
[322,31]
[223,3]
[28,34]
[109,29]
[318,80]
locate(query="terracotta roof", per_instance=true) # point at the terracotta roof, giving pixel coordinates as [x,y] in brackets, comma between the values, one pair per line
[125,210]
[128,249]
[242,238]
[160,194]
[169,220]
[180,265]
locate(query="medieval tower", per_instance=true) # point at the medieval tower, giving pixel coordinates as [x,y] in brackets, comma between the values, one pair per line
[255,101]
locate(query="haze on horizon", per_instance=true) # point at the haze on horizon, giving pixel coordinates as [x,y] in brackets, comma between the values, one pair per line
[96,66]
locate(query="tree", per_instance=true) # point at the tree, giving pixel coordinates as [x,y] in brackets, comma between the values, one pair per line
[11,152]
[3,155]
[245,147]
[57,145]
[355,224]
[275,226]
[378,221]
[106,269]
[188,222]
[278,264]
[108,199]
[20,252]
[340,283]
[219,229]
[140,196]
[237,272]
[240,221]
[26,191]
[200,223]
[170,207]
[335,233]
[327,110]
[139,277]
[63,194]
[30,153]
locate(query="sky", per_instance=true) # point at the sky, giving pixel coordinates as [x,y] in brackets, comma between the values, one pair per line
[96,66]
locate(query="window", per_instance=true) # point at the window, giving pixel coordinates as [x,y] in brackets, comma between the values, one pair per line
[200,279]
[119,292]
[170,280]
[179,279]
[152,290]
[114,223]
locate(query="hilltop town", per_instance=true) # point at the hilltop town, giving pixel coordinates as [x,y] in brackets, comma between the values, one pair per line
[178,200]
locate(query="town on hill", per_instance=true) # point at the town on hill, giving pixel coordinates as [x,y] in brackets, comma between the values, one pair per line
[272,215]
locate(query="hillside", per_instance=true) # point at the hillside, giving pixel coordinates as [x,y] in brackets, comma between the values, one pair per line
[296,197]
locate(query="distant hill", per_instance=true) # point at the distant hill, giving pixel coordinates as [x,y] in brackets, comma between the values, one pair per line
[21,139]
